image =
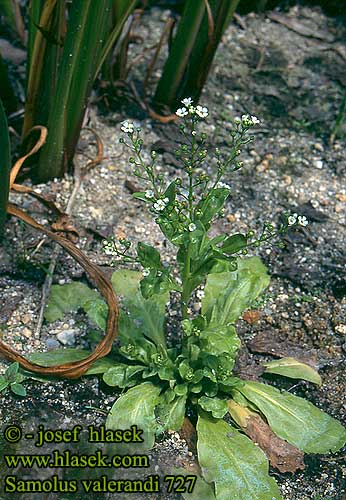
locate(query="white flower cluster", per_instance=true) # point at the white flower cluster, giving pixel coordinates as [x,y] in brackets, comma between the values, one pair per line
[160,205]
[301,220]
[223,185]
[247,120]
[192,227]
[127,127]
[108,247]
[189,109]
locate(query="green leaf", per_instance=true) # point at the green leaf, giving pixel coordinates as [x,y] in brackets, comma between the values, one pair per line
[201,489]
[238,468]
[121,375]
[67,298]
[290,367]
[140,195]
[60,356]
[234,244]
[3,383]
[115,375]
[157,283]
[219,340]
[295,419]
[125,282]
[171,414]
[145,317]
[18,389]
[97,312]
[148,256]
[5,165]
[217,407]
[228,294]
[12,371]
[212,205]
[136,407]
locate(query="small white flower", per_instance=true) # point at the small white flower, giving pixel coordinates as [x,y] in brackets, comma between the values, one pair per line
[181,112]
[159,205]
[292,219]
[200,294]
[127,127]
[223,185]
[202,111]
[245,118]
[166,200]
[237,119]
[302,220]
[255,120]
[149,194]
[187,101]
[146,272]
[192,227]
[193,132]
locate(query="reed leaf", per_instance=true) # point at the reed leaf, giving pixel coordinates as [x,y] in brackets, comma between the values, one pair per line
[86,46]
[199,33]
[5,166]
[47,29]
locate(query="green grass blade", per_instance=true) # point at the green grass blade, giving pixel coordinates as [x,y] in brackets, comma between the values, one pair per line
[178,59]
[5,165]
[193,50]
[44,52]
[86,46]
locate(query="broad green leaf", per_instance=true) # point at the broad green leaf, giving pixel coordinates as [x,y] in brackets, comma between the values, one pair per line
[145,316]
[137,407]
[234,244]
[201,489]
[126,282]
[97,312]
[238,468]
[18,389]
[219,340]
[60,356]
[12,371]
[5,165]
[171,414]
[290,367]
[228,294]
[120,375]
[148,256]
[217,407]
[3,383]
[295,419]
[67,298]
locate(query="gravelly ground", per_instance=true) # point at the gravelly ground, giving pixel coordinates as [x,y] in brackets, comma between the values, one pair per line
[294,84]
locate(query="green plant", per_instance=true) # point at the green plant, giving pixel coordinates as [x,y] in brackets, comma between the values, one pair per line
[13,379]
[64,59]
[165,380]
[198,35]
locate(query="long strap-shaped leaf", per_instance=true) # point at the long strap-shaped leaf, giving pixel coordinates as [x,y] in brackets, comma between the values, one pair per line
[76,368]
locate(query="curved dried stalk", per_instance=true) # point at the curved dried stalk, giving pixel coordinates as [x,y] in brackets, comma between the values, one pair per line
[77,368]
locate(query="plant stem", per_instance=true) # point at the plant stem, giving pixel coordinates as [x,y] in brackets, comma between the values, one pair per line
[185,294]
